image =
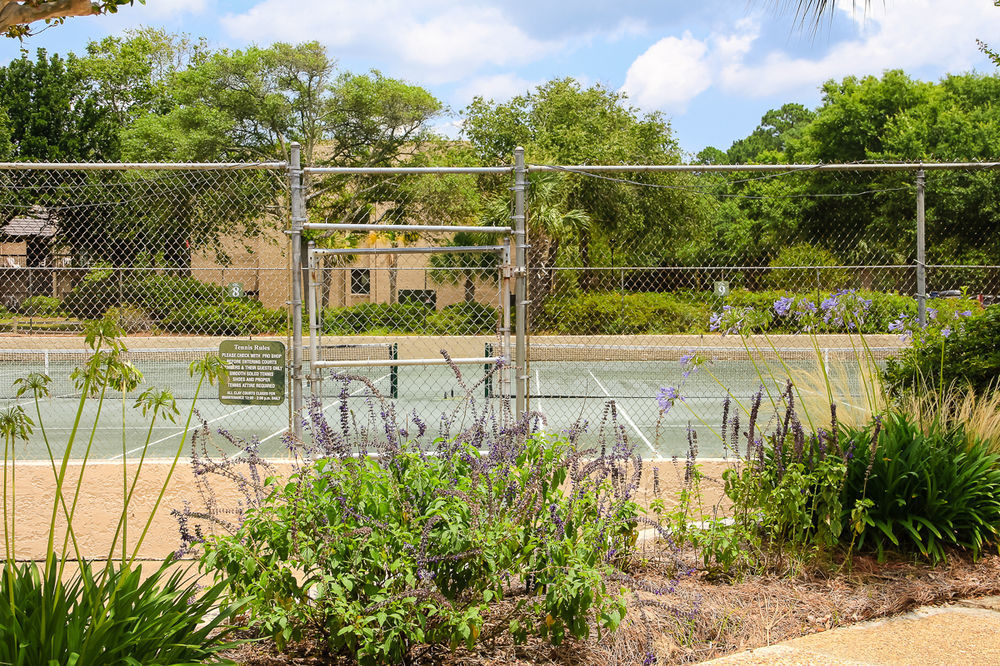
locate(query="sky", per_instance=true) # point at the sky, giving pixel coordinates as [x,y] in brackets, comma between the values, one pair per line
[712,67]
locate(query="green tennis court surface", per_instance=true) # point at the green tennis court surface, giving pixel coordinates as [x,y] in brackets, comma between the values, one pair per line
[569,384]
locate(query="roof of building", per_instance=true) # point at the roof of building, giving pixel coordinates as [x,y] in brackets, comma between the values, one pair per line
[38,221]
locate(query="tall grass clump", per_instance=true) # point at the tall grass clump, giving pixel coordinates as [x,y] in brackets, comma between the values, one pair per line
[80,608]
[395,540]
[822,468]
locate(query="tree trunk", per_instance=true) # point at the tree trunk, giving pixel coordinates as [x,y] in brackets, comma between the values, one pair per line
[540,275]
[586,277]
[470,288]
[393,277]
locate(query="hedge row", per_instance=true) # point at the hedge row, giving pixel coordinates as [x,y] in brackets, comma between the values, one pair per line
[616,313]
[173,303]
[185,305]
[385,318]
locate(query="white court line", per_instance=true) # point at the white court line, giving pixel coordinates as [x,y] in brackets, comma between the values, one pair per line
[624,414]
[284,430]
[538,385]
[179,432]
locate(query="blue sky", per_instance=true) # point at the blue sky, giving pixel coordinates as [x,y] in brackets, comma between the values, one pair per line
[713,67]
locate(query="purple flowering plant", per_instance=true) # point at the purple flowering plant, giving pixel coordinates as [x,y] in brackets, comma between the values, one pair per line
[405,536]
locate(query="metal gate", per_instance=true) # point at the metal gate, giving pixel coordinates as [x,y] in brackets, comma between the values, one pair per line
[315,350]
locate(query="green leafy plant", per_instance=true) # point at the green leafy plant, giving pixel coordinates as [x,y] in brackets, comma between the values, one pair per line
[51,615]
[462,319]
[231,317]
[921,492]
[380,555]
[967,357]
[818,267]
[41,306]
[118,616]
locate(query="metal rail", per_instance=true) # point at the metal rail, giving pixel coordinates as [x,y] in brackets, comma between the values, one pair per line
[356,363]
[469,249]
[700,168]
[402,170]
[407,227]
[140,166]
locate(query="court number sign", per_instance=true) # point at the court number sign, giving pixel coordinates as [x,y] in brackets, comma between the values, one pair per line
[721,289]
[255,372]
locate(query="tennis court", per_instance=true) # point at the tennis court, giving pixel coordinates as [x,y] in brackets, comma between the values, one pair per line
[570,383]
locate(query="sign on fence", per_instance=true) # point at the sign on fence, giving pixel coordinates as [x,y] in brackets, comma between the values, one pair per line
[255,372]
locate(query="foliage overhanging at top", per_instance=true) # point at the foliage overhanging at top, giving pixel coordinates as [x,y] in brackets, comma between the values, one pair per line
[16,16]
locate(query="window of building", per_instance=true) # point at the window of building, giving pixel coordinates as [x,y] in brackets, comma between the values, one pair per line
[361,281]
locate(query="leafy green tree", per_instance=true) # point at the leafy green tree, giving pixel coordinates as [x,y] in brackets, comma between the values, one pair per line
[561,122]
[5,146]
[258,100]
[133,73]
[16,16]
[52,112]
[771,136]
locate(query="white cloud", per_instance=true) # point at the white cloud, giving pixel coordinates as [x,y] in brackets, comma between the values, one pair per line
[908,36]
[669,74]
[437,41]
[626,28]
[498,87]
[913,35]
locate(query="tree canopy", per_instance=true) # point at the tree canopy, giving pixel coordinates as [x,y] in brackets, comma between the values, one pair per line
[580,220]
[858,218]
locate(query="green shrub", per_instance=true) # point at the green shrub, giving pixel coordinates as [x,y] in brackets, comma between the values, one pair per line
[921,492]
[909,492]
[157,295]
[380,556]
[370,317]
[231,317]
[41,306]
[806,255]
[462,319]
[130,318]
[614,313]
[968,356]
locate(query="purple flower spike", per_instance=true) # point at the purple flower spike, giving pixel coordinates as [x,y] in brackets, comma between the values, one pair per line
[666,398]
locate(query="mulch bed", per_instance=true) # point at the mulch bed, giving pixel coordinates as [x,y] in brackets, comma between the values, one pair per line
[707,618]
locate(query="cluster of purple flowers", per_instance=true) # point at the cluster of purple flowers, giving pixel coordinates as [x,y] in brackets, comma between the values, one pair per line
[846,308]
[906,325]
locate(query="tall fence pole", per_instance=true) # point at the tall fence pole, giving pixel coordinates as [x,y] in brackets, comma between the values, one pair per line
[921,252]
[298,219]
[520,288]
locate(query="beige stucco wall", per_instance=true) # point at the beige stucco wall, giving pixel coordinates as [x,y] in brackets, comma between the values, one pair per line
[261,265]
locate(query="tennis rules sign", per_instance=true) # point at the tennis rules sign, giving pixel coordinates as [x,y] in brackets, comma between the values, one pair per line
[255,372]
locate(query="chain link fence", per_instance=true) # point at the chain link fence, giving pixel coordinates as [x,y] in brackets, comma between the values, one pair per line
[628,265]
[624,269]
[181,256]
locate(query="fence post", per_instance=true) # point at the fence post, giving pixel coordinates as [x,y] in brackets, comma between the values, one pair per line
[921,249]
[520,288]
[298,218]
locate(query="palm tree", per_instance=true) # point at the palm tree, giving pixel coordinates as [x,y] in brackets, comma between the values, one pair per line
[552,224]
[817,9]
[452,266]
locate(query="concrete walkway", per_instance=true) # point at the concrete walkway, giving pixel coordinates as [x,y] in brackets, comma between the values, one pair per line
[966,632]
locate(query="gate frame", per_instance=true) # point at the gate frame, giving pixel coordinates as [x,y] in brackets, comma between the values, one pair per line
[303,265]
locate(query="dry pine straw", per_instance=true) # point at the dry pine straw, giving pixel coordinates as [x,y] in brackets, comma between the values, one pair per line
[706,619]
